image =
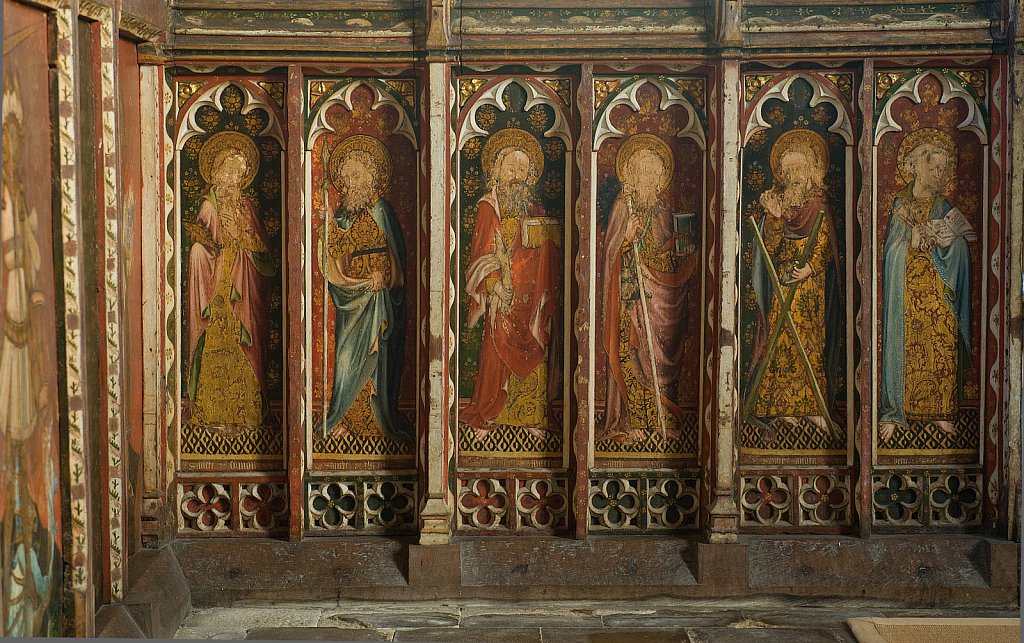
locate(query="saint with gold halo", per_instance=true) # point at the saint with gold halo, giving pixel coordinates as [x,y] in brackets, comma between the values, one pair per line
[228,264]
[512,283]
[362,254]
[926,291]
[793,206]
[642,337]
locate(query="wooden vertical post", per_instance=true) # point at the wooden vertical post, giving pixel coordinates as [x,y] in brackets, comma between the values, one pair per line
[436,511]
[295,321]
[1015,305]
[723,518]
[864,320]
[585,323]
[80,586]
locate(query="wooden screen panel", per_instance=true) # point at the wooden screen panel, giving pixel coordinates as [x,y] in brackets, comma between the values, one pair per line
[30,489]
[796,417]
[230,161]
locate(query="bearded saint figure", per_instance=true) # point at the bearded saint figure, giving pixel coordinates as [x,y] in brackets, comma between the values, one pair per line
[642,337]
[363,261]
[511,285]
[792,206]
[926,291]
[228,263]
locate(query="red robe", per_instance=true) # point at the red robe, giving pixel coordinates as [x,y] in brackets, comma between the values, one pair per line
[515,342]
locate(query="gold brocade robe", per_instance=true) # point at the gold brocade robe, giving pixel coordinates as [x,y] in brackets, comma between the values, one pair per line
[786,388]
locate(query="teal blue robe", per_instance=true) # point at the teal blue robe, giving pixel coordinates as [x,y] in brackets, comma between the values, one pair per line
[362,318]
[954,267]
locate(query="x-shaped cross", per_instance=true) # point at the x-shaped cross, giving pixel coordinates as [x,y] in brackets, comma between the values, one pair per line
[786,317]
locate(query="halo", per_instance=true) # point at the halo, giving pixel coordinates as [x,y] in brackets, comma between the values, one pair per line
[369,145]
[915,139]
[639,142]
[802,138]
[221,141]
[513,137]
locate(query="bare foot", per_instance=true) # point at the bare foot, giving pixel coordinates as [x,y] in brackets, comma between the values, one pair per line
[946,426]
[791,421]
[885,431]
[481,434]
[339,430]
[637,435]
[534,431]
[819,422]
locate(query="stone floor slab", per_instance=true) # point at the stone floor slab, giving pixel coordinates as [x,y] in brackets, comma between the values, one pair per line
[671,620]
[470,635]
[217,620]
[389,621]
[316,634]
[613,635]
[534,619]
[772,634]
[206,634]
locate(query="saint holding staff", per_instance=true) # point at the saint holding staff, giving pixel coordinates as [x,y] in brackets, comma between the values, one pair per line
[646,270]
[362,255]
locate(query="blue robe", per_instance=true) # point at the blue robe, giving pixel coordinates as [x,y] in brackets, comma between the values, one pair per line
[953,265]
[362,319]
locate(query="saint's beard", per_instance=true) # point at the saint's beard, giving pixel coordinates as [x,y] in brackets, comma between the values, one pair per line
[641,198]
[514,198]
[797,194]
[357,199]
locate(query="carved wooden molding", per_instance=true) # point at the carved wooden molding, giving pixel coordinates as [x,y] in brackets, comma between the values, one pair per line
[138,27]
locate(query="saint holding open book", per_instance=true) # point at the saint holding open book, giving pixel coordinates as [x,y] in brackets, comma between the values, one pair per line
[926,292]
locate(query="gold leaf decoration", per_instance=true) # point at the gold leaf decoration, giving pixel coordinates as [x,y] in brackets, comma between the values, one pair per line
[186,90]
[317,89]
[404,88]
[695,87]
[844,83]
[884,81]
[604,88]
[468,87]
[754,82]
[275,90]
[975,79]
[561,88]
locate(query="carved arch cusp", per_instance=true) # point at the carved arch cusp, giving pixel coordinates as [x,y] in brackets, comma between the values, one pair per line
[974,122]
[211,97]
[669,96]
[493,96]
[822,93]
[343,96]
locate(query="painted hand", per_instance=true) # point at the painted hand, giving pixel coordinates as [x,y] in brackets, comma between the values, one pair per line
[799,274]
[376,281]
[771,203]
[505,297]
[632,229]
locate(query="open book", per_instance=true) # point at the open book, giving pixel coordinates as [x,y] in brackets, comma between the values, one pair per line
[945,230]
